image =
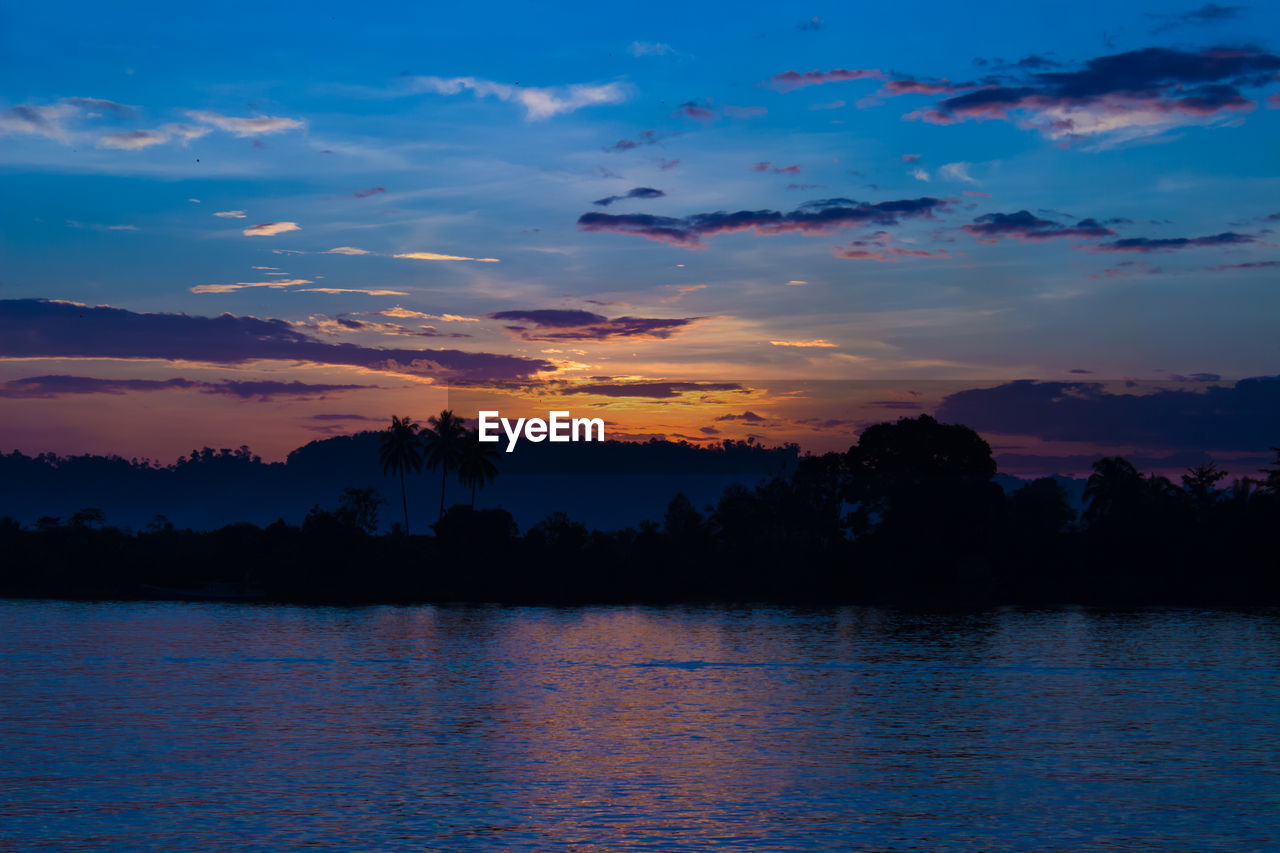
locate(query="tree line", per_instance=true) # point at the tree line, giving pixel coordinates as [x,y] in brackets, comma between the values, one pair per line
[909,513]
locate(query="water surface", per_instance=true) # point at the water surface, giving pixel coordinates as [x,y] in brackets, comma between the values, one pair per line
[161,727]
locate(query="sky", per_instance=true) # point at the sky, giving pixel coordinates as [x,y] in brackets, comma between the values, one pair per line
[705,221]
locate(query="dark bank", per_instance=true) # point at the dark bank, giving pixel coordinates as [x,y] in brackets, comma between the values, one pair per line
[911,513]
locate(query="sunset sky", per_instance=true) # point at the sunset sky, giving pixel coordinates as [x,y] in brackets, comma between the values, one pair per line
[253,226]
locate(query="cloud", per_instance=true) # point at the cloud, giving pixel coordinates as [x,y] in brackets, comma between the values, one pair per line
[956,172]
[697,110]
[243,127]
[369,192]
[1209,13]
[706,111]
[344,250]
[1121,96]
[910,158]
[351,290]
[1239,417]
[748,417]
[231,214]
[650,48]
[879,247]
[816,342]
[795,282]
[1025,226]
[101,105]
[1125,269]
[133,140]
[667,165]
[815,217]
[340,417]
[768,166]
[812,25]
[1168,244]
[44,121]
[245,285]
[833,105]
[432,256]
[94,226]
[270,229]
[682,290]
[920,175]
[789,80]
[638,192]
[37,328]
[187,132]
[46,387]
[554,324]
[648,137]
[538,103]
[1252,265]
[654,390]
[405,313]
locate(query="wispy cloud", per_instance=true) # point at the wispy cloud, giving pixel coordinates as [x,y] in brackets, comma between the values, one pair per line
[244,127]
[270,229]
[245,285]
[650,48]
[539,102]
[638,192]
[46,387]
[434,256]
[815,342]
[231,214]
[789,80]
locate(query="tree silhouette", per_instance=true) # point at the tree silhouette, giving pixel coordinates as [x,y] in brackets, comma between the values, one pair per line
[442,442]
[1201,485]
[360,506]
[399,449]
[1114,486]
[924,490]
[477,464]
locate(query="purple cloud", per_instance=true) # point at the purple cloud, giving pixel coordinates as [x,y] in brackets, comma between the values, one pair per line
[1024,225]
[1124,95]
[788,80]
[638,192]
[655,390]
[554,324]
[815,217]
[44,387]
[648,137]
[38,328]
[1241,416]
[748,416]
[1168,244]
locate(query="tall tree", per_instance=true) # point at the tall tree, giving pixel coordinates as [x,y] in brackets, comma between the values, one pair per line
[442,441]
[478,465]
[400,450]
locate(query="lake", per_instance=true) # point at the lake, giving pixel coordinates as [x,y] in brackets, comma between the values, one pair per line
[167,726]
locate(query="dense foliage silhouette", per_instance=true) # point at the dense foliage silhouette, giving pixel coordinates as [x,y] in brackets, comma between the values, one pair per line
[911,512]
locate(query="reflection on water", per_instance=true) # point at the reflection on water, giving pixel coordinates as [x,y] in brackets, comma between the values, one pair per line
[159,727]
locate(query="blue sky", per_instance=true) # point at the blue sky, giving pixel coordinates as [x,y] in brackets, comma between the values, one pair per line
[140,149]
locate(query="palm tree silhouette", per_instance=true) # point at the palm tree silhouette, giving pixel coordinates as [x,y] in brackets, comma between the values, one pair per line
[1113,486]
[400,449]
[477,465]
[442,443]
